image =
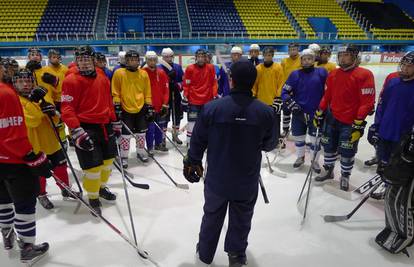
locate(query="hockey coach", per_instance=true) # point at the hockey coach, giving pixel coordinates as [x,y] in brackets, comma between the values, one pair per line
[234,130]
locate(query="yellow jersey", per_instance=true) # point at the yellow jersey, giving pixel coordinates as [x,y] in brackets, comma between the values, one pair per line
[131,89]
[59,72]
[268,83]
[38,80]
[289,65]
[329,66]
[39,130]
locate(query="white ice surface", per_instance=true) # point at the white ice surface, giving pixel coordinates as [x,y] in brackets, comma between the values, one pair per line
[167,221]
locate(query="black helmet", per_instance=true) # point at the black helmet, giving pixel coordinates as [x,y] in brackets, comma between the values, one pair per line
[34,50]
[408,58]
[268,49]
[350,48]
[85,51]
[131,53]
[53,52]
[291,45]
[201,51]
[325,49]
[100,56]
[22,74]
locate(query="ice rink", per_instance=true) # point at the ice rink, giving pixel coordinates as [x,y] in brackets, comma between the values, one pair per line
[167,220]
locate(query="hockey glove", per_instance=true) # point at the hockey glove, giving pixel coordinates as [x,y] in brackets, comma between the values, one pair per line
[192,172]
[81,139]
[48,109]
[117,128]
[408,149]
[33,65]
[357,130]
[50,79]
[277,105]
[39,164]
[318,118]
[184,104]
[37,94]
[294,107]
[164,111]
[149,113]
[118,111]
[373,136]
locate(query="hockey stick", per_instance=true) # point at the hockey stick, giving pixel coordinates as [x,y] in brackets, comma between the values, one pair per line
[131,218]
[181,186]
[141,252]
[169,139]
[263,189]
[354,194]
[128,177]
[268,163]
[309,177]
[339,218]
[52,124]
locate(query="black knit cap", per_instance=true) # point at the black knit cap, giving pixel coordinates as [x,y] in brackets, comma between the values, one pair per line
[243,74]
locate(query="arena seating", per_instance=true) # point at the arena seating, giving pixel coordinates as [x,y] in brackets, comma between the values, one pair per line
[264,19]
[303,9]
[214,16]
[159,15]
[388,21]
[68,16]
[20,18]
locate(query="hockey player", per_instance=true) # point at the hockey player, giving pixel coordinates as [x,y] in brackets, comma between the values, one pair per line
[323,62]
[224,82]
[42,77]
[216,67]
[301,95]
[254,52]
[131,91]
[159,96]
[40,131]
[11,66]
[101,63]
[20,169]
[121,62]
[234,129]
[199,85]
[289,65]
[398,233]
[349,97]
[372,131]
[175,74]
[393,118]
[88,111]
[59,70]
[269,82]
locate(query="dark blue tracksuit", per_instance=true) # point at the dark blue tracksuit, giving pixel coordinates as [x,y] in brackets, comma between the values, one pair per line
[235,129]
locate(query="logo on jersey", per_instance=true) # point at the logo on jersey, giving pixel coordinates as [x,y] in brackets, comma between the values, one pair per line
[11,122]
[240,119]
[66,98]
[368,91]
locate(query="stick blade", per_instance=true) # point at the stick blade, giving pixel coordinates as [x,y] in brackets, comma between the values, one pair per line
[183,186]
[333,218]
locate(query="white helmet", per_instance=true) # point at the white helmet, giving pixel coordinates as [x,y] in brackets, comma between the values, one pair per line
[151,54]
[315,48]
[167,52]
[121,57]
[254,47]
[307,52]
[236,50]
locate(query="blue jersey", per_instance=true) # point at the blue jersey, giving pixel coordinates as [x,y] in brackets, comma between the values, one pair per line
[306,88]
[108,73]
[224,81]
[395,111]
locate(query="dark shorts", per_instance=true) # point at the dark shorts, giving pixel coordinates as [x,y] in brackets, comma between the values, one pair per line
[17,184]
[135,121]
[104,146]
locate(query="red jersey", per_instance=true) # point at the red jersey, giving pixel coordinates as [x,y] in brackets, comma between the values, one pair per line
[14,142]
[159,88]
[200,84]
[87,100]
[350,95]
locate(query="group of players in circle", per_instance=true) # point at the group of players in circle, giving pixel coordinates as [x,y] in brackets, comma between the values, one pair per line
[101,108]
